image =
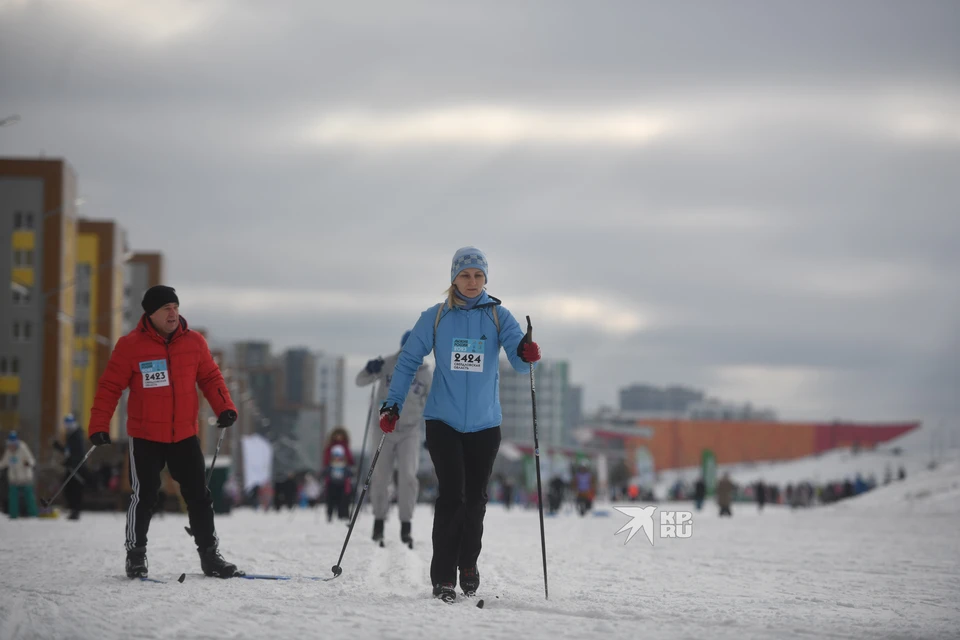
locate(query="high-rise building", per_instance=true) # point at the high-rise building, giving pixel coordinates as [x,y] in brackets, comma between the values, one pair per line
[552,385]
[328,391]
[98,318]
[141,271]
[38,223]
[670,401]
[298,367]
[255,363]
[574,410]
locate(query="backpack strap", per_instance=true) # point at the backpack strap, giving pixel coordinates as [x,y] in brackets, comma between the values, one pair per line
[436,323]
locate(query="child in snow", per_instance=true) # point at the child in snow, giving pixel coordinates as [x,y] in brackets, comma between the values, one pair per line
[463,413]
[338,473]
[19,463]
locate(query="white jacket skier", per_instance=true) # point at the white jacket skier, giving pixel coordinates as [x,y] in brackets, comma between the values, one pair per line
[18,461]
[400,448]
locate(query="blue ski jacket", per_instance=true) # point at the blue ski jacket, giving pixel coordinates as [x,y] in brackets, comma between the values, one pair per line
[465,392]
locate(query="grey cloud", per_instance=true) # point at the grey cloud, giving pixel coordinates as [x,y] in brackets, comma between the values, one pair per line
[183,143]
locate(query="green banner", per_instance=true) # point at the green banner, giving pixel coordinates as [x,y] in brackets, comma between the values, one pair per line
[708,468]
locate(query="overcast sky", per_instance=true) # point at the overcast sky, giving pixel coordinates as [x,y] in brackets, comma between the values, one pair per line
[760,199]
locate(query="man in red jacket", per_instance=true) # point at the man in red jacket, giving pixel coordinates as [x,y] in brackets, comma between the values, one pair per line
[162,362]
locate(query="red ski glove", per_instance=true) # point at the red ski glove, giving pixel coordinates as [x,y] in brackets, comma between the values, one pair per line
[529,351]
[388,419]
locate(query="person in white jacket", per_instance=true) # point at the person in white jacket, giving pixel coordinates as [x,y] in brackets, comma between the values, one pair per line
[400,448]
[19,463]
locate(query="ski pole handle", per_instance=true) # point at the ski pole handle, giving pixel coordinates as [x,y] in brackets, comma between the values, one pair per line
[529,329]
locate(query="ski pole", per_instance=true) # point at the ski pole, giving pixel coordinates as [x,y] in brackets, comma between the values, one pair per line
[215,454]
[336,568]
[223,430]
[363,447]
[536,451]
[46,503]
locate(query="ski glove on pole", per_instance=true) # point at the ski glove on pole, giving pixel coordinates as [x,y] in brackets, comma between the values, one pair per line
[528,350]
[227,418]
[373,366]
[98,438]
[388,418]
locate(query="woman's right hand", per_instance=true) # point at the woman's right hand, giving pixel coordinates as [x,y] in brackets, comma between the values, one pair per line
[388,418]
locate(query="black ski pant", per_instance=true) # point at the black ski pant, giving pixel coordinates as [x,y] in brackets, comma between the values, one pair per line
[187,466]
[337,501]
[463,463]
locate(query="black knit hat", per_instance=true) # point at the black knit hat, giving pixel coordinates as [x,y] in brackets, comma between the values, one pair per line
[157,296]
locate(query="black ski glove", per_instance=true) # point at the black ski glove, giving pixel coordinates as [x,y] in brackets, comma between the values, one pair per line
[227,418]
[373,366]
[99,438]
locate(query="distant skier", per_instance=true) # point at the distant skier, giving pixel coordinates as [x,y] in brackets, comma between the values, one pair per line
[699,493]
[19,463]
[761,496]
[584,486]
[725,491]
[401,449]
[163,362]
[463,413]
[555,496]
[73,450]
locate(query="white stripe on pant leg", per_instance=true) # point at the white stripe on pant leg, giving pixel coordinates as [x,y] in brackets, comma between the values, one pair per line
[134,501]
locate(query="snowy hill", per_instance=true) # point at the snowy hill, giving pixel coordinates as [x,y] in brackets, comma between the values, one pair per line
[833,466]
[928,492]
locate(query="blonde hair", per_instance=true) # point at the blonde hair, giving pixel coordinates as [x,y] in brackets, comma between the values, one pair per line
[453,300]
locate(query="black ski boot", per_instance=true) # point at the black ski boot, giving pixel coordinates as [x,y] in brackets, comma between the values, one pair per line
[137,562]
[405,534]
[378,530]
[470,580]
[446,592]
[215,566]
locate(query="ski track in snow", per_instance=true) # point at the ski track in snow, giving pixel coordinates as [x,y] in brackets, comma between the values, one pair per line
[856,570]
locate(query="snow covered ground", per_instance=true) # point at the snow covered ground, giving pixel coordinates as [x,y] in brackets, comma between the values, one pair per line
[884,565]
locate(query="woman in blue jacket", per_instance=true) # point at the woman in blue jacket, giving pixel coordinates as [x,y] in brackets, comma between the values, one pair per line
[463,410]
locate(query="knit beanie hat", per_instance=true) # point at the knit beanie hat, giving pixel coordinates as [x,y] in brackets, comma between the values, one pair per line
[156,297]
[468,258]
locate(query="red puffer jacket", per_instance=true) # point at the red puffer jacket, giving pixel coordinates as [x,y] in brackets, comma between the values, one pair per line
[163,377]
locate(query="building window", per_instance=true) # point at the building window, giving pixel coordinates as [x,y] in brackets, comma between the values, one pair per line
[3,402]
[16,330]
[26,331]
[13,402]
[3,365]
[30,220]
[17,219]
[17,259]
[28,258]
[14,365]
[82,328]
